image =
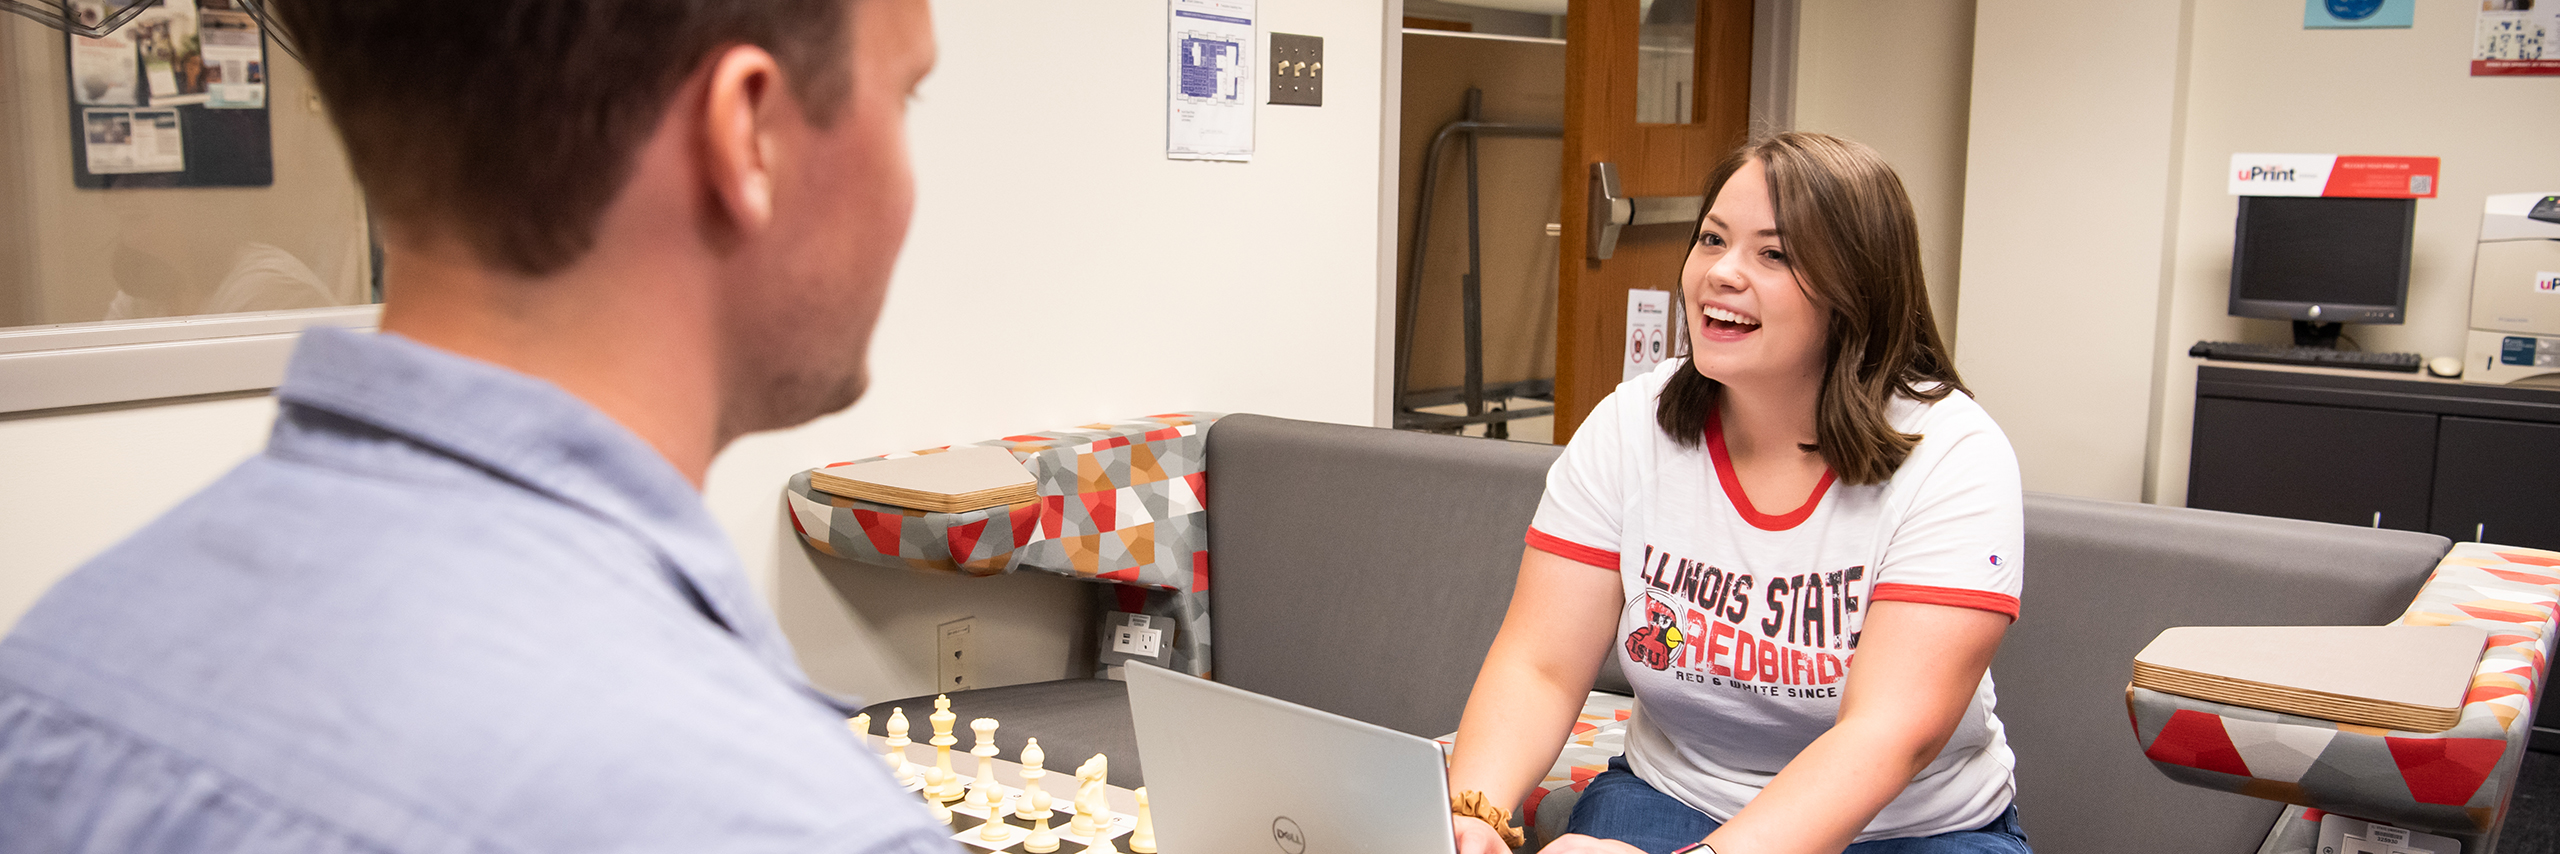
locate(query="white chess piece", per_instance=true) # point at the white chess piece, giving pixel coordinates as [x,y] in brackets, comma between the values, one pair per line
[1043,838]
[995,830]
[861,727]
[942,782]
[984,792]
[1032,757]
[940,813]
[1093,810]
[1143,840]
[896,754]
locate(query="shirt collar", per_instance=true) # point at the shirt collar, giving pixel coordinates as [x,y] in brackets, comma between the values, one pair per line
[537,435]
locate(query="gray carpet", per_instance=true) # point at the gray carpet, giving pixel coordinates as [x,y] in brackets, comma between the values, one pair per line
[2533,818]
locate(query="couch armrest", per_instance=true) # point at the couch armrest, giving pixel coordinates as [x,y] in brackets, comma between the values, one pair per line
[2455,782]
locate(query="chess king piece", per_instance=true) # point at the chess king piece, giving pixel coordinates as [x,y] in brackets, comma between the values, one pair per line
[896,754]
[1032,756]
[942,782]
[1093,810]
[1043,838]
[984,792]
[1143,840]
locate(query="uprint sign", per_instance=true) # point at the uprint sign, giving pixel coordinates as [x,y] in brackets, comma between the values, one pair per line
[2334,175]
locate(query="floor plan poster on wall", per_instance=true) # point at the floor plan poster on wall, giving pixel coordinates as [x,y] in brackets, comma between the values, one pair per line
[1209,80]
[2516,37]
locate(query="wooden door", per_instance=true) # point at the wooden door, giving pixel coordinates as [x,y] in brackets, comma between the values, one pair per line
[1603,86]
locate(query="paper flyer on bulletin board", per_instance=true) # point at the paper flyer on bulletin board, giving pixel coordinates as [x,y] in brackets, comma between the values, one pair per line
[1209,80]
[2516,37]
[176,97]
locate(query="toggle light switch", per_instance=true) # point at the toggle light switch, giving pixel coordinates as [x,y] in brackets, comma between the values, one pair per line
[1297,64]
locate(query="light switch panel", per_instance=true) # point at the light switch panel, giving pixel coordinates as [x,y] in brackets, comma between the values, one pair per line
[1297,69]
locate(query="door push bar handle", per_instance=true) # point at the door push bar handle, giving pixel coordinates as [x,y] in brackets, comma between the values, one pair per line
[1610,211]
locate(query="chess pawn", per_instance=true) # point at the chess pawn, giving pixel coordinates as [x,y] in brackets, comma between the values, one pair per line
[1143,840]
[984,792]
[1032,756]
[861,727]
[1043,838]
[995,830]
[940,813]
[942,782]
[896,754]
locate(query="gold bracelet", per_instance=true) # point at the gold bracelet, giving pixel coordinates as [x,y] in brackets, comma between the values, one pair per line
[1473,804]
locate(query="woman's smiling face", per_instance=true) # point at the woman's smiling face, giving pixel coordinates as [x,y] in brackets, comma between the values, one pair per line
[1750,321]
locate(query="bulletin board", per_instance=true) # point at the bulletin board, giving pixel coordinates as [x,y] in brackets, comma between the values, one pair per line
[176,97]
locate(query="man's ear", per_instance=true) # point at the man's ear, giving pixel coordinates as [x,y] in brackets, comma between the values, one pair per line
[741,104]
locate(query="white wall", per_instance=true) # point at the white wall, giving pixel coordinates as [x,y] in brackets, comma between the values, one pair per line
[2072,154]
[2259,82]
[1060,271]
[1898,77]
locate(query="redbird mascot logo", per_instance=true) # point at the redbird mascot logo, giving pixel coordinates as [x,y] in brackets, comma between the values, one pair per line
[1651,644]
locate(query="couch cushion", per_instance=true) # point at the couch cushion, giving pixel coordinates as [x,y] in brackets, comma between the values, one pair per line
[1364,571]
[2103,579]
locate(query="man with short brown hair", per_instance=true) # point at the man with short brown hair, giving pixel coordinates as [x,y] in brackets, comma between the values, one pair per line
[469,598]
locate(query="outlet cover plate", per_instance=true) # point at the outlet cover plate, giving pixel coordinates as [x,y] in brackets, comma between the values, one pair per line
[1297,70]
[956,653]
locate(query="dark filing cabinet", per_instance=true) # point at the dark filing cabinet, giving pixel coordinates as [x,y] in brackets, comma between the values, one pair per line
[2470,462]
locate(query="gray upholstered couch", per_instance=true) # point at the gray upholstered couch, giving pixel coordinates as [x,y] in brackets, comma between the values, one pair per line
[1365,571]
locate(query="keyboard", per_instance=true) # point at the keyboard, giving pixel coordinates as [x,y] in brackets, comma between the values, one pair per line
[2232,351]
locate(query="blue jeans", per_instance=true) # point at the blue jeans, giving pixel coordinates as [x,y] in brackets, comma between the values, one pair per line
[1617,805]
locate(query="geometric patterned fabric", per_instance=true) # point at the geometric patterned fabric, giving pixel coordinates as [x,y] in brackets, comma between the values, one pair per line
[2456,782]
[1599,734]
[1122,502]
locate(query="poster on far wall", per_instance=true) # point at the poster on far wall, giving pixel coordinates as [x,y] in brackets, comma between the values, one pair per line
[2516,37]
[2356,14]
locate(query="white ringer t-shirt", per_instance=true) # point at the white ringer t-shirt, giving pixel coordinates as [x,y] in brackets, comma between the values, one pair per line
[1739,625]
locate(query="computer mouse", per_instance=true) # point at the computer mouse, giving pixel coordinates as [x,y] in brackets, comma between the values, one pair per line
[2445,366]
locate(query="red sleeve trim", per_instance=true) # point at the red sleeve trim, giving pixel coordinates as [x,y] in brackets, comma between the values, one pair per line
[1572,551]
[1982,600]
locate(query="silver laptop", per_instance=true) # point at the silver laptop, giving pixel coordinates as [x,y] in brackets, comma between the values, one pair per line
[1230,771]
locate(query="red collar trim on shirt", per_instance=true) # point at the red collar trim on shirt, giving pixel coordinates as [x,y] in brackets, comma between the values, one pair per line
[1733,484]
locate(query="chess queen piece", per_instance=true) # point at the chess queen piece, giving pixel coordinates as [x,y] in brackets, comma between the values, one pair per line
[1143,840]
[943,783]
[896,751]
[1093,810]
[1032,757]
[1043,838]
[984,792]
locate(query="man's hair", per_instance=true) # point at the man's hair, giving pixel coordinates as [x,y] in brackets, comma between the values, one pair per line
[1855,244]
[509,125]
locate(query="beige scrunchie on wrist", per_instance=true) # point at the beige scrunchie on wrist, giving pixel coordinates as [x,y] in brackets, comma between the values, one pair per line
[1473,804]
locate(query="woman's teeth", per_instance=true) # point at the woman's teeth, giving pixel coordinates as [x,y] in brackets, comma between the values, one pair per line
[1718,314]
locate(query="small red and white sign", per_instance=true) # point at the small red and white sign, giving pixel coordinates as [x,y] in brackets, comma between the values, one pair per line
[2546,282]
[2333,175]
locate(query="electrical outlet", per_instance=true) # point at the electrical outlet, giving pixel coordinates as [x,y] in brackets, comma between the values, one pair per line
[1297,70]
[1141,642]
[956,653]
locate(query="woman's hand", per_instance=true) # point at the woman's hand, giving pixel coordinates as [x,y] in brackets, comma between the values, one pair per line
[1575,843]
[1477,837]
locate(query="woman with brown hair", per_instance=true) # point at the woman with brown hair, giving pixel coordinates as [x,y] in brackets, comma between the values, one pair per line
[1803,541]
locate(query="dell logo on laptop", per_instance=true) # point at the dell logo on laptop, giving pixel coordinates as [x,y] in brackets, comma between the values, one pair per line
[1285,833]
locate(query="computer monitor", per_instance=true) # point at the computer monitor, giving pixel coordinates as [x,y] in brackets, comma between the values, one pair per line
[2320,262]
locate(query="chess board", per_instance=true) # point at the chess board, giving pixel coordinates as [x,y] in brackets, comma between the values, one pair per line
[969,823]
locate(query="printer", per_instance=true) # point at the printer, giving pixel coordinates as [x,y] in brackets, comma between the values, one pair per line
[2515,293]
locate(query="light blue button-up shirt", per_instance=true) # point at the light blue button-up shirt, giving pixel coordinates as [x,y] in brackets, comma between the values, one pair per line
[451,608]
